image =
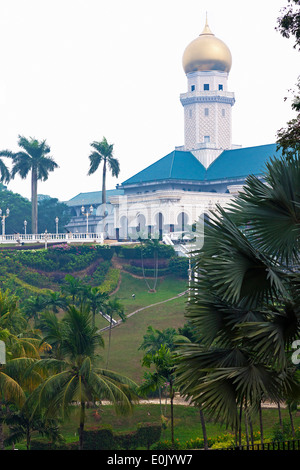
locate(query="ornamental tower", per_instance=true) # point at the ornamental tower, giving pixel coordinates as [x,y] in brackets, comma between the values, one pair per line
[207,103]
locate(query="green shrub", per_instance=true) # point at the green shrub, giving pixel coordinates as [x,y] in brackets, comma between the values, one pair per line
[179,266]
[148,251]
[111,281]
[98,439]
[148,434]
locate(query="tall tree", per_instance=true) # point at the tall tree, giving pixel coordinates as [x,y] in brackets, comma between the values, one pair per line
[96,299]
[34,157]
[245,300]
[4,172]
[78,378]
[103,153]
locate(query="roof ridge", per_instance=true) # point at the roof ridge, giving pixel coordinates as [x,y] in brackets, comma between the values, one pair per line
[171,166]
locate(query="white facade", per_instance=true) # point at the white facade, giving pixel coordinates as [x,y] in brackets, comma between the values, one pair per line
[207,115]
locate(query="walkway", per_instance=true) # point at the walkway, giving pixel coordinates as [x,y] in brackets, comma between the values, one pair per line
[144,308]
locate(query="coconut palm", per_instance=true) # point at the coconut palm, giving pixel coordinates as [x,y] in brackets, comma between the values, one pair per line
[163,361]
[4,172]
[96,299]
[78,378]
[34,157]
[73,287]
[103,153]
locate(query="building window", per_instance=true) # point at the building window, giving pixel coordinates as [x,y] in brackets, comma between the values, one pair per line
[223,112]
[206,86]
[206,111]
[193,88]
[220,87]
[206,139]
[190,113]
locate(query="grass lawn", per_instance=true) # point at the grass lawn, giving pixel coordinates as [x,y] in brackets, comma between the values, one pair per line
[186,420]
[126,338]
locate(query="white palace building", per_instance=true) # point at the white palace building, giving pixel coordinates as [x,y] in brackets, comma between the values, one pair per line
[170,195]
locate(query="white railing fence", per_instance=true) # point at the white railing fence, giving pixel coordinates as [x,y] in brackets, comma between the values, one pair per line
[46,238]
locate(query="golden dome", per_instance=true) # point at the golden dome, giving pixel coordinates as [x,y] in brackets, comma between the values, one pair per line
[206,53]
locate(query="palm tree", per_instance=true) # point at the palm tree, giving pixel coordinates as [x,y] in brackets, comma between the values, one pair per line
[163,361]
[22,425]
[78,378]
[244,302]
[55,301]
[103,153]
[4,172]
[96,299]
[34,157]
[73,287]
[16,378]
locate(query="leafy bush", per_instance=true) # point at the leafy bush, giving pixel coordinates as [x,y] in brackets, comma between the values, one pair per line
[99,439]
[179,266]
[106,439]
[147,434]
[148,251]
[111,281]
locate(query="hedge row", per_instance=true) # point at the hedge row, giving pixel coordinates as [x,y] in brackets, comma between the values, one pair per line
[105,439]
[147,251]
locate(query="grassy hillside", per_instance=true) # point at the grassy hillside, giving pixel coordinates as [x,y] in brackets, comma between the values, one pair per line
[35,272]
[127,337]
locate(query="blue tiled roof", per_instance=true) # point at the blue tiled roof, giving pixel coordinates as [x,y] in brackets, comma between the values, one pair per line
[177,165]
[93,197]
[239,163]
[231,164]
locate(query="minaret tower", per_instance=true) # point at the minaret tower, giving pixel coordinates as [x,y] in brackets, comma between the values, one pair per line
[207,103]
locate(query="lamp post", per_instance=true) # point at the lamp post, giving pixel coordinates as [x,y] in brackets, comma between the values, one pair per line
[25,227]
[87,214]
[4,216]
[46,239]
[56,222]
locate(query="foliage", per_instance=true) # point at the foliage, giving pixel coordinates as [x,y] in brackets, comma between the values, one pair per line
[33,158]
[50,208]
[244,303]
[77,376]
[105,439]
[103,154]
[147,250]
[289,21]
[111,281]
[20,210]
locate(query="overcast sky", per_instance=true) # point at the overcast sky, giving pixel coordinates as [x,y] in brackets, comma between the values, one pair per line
[73,71]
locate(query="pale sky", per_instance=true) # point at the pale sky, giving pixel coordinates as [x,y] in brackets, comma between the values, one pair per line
[73,71]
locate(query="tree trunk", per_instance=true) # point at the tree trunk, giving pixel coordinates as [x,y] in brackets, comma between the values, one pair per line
[28,438]
[240,425]
[203,429]
[292,421]
[261,425]
[109,340]
[81,425]
[34,202]
[172,411]
[279,413]
[104,183]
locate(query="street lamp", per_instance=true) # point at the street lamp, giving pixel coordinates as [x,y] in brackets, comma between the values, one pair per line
[4,216]
[56,222]
[46,238]
[25,227]
[87,213]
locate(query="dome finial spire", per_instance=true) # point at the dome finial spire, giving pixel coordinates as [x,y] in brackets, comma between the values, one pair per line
[206,29]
